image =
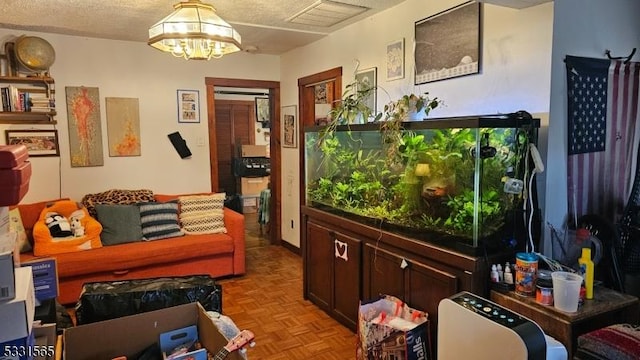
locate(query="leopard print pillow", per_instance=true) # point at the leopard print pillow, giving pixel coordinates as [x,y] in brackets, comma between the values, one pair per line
[116,196]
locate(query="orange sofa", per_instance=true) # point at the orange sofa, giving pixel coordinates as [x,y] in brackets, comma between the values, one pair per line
[216,255]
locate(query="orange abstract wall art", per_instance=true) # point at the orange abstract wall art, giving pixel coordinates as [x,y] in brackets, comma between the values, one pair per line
[85,132]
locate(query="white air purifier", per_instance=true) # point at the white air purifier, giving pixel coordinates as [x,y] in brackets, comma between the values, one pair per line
[471,327]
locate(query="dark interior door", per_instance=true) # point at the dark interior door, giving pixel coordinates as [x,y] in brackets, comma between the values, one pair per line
[235,126]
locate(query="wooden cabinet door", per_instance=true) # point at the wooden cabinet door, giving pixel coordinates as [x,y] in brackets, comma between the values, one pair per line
[426,286]
[347,259]
[420,286]
[382,274]
[319,255]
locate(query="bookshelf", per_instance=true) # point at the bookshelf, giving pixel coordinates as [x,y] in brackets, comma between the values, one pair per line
[35,89]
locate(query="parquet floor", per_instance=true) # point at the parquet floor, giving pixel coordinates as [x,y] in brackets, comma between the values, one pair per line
[268,301]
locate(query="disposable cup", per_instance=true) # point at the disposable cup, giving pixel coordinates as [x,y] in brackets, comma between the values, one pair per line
[566,290]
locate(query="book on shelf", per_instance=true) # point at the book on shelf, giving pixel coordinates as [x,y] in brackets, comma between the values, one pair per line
[6,102]
[28,99]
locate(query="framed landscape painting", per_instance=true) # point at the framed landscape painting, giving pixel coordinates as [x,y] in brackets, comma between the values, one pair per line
[448,44]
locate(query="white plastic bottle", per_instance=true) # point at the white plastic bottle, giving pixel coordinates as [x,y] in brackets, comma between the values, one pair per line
[500,273]
[508,275]
[494,274]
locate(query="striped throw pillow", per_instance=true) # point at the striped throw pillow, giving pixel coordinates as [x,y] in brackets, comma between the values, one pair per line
[206,222]
[159,220]
[199,203]
[202,214]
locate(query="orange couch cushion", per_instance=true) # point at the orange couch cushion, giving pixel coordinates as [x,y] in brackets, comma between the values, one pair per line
[123,257]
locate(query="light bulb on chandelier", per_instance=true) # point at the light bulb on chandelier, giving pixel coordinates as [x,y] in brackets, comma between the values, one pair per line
[194,32]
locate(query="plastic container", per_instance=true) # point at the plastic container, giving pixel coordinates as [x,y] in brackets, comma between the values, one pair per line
[526,271]
[566,290]
[586,270]
[544,288]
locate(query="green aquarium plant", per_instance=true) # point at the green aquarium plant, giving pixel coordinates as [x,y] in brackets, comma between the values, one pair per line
[422,179]
[352,108]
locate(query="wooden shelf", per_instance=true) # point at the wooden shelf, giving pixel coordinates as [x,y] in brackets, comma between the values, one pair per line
[7,117]
[28,122]
[27,80]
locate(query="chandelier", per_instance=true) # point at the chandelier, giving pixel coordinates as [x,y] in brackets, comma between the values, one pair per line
[194,31]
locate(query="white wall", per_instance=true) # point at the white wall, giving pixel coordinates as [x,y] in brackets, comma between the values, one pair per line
[516,62]
[135,70]
[581,28]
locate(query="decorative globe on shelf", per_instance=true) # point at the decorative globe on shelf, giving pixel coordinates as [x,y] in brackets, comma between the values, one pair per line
[34,54]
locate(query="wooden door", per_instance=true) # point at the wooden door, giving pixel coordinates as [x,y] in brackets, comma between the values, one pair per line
[235,126]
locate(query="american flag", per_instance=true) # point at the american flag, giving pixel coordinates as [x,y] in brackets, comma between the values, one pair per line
[602,117]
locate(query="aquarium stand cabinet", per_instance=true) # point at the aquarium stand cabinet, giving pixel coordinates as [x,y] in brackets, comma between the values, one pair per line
[345,261]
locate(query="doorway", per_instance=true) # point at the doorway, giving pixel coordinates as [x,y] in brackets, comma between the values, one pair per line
[234,127]
[310,109]
[217,183]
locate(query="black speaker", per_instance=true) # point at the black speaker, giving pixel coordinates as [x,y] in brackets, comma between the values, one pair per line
[180,144]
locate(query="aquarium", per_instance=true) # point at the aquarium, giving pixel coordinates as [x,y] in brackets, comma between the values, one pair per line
[461,182]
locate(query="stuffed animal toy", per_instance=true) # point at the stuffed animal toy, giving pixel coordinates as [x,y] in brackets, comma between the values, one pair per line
[58,225]
[76,225]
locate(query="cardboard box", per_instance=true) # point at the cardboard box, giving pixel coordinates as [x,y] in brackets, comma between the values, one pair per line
[254,151]
[45,340]
[45,277]
[129,335]
[20,349]
[7,265]
[253,185]
[249,204]
[18,312]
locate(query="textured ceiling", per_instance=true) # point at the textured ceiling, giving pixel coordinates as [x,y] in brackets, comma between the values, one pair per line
[261,23]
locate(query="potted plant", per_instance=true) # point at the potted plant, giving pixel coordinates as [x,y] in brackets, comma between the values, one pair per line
[410,107]
[352,108]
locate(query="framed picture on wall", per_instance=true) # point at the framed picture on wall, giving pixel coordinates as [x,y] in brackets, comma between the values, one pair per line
[188,106]
[262,110]
[367,78]
[448,44]
[395,60]
[289,127]
[38,142]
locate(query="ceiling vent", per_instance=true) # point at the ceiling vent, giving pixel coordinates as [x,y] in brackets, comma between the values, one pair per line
[516,4]
[326,13]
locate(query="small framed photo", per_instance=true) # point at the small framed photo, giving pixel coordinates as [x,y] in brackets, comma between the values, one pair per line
[368,78]
[38,142]
[262,110]
[395,60]
[289,126]
[188,106]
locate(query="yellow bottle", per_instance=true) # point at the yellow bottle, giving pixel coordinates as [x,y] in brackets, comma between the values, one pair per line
[586,268]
